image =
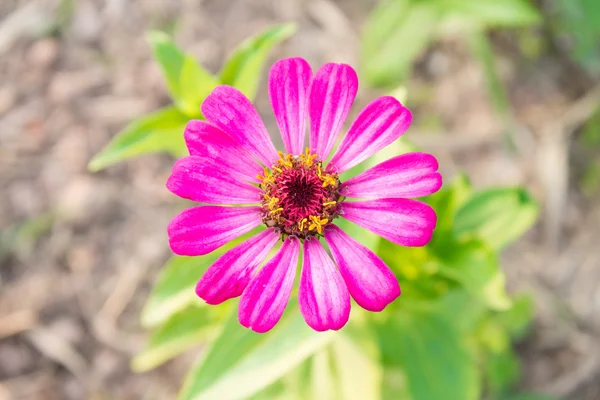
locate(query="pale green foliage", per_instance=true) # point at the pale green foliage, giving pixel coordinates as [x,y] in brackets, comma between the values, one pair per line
[241,362]
[188,83]
[397,32]
[183,330]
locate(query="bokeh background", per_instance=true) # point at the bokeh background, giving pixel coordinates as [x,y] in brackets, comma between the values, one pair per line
[79,251]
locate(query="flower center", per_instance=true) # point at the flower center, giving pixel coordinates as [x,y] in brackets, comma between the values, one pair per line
[299,197]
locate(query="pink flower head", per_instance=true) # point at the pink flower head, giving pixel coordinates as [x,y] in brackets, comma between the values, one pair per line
[297,196]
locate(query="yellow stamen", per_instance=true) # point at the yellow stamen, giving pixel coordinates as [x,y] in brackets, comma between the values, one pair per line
[277,169]
[273,202]
[284,159]
[328,180]
[301,224]
[317,224]
[276,210]
[329,203]
[308,158]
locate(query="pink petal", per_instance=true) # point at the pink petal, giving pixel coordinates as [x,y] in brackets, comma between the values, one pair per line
[380,123]
[265,298]
[324,298]
[229,275]
[231,111]
[200,230]
[332,93]
[202,180]
[206,140]
[409,175]
[370,282]
[289,81]
[402,221]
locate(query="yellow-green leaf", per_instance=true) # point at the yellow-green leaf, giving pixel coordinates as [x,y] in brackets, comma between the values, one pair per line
[184,330]
[395,34]
[497,216]
[359,374]
[508,13]
[169,57]
[174,288]
[243,69]
[195,83]
[475,267]
[240,362]
[159,131]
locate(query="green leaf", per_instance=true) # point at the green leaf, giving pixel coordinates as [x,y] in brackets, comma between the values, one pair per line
[517,319]
[471,311]
[322,381]
[498,216]
[502,371]
[505,13]
[476,268]
[447,201]
[182,331]
[433,355]
[161,130]
[240,362]
[174,288]
[244,67]
[358,372]
[577,21]
[169,57]
[195,83]
[395,34]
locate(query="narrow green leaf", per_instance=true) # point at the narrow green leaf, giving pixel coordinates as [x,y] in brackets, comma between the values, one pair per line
[159,131]
[244,67]
[433,355]
[497,216]
[169,57]
[240,362]
[195,83]
[505,13]
[182,331]
[396,33]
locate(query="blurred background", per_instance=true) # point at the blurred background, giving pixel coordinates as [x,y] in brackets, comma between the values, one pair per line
[513,99]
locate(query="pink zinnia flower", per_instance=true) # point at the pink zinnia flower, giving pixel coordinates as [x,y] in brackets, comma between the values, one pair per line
[298,196]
